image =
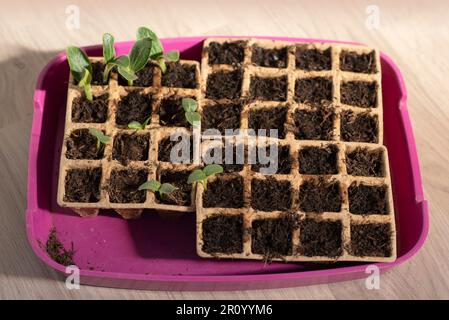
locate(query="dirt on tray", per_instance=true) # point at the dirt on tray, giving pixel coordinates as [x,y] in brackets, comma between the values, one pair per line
[271,58]
[223,234]
[130,147]
[313,59]
[97,74]
[317,124]
[82,145]
[182,196]
[356,62]
[268,89]
[236,165]
[364,199]
[227,53]
[320,238]
[224,85]
[365,162]
[361,127]
[359,93]
[320,195]
[82,185]
[56,250]
[224,192]
[166,146]
[144,77]
[318,160]
[171,112]
[373,239]
[284,160]
[271,195]
[314,91]
[85,111]
[268,118]
[180,76]
[133,107]
[124,184]
[221,117]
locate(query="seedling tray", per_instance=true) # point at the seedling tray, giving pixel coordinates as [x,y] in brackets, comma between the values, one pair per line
[158,251]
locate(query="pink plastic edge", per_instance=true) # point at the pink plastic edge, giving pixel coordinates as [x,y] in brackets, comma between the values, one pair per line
[229,282]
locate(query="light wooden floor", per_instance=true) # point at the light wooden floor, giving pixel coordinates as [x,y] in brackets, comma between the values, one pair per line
[414,33]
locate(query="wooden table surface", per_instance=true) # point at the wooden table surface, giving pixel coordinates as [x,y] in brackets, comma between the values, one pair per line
[414,33]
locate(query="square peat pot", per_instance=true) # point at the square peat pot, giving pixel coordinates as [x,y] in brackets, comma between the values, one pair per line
[159,254]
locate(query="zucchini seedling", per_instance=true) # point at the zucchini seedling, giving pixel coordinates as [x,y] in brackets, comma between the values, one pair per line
[81,69]
[156,187]
[101,137]
[190,105]
[136,125]
[108,55]
[201,175]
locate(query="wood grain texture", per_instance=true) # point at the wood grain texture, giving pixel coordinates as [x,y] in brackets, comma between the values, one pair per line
[414,33]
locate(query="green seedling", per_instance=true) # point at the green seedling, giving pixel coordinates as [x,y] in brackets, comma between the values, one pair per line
[101,137]
[201,175]
[189,105]
[81,69]
[136,125]
[108,55]
[156,187]
[157,50]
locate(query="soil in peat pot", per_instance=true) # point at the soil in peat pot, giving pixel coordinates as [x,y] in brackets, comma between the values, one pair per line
[284,160]
[82,145]
[317,124]
[224,85]
[180,76]
[171,112]
[320,238]
[320,195]
[85,111]
[268,118]
[97,74]
[235,164]
[82,185]
[130,147]
[124,184]
[144,77]
[365,162]
[271,58]
[314,90]
[359,94]
[313,59]
[182,196]
[271,195]
[166,145]
[226,53]
[318,160]
[372,239]
[56,250]
[361,127]
[221,117]
[355,62]
[226,191]
[268,88]
[134,106]
[223,234]
[364,199]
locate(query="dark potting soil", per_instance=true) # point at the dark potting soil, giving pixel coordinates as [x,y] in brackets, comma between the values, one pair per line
[130,147]
[221,117]
[320,195]
[272,58]
[226,191]
[268,88]
[166,145]
[227,53]
[365,162]
[361,127]
[85,111]
[124,184]
[97,74]
[318,160]
[144,77]
[232,165]
[133,107]
[182,196]
[180,76]
[82,185]
[56,250]
[82,145]
[270,194]
[373,239]
[355,62]
[316,124]
[313,91]
[273,237]
[359,93]
[268,118]
[364,199]
[313,59]
[224,85]
[223,234]
[320,238]
[284,160]
[171,112]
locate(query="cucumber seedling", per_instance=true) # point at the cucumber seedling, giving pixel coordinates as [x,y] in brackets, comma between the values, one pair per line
[81,69]
[201,175]
[136,125]
[156,187]
[101,137]
[190,105]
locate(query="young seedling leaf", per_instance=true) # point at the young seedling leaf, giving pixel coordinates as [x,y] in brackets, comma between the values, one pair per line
[101,137]
[194,118]
[108,47]
[136,125]
[85,84]
[196,176]
[152,185]
[189,104]
[166,188]
[122,61]
[78,61]
[172,56]
[162,65]
[212,169]
[140,54]
[157,50]
[127,73]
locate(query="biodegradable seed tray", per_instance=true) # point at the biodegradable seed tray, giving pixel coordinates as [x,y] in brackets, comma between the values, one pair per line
[332,190]
[107,178]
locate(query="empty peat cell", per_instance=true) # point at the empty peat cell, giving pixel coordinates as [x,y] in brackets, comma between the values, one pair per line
[371,240]
[314,91]
[130,147]
[365,199]
[231,157]
[124,184]
[358,62]
[180,75]
[223,234]
[270,58]
[182,148]
[171,112]
[221,117]
[83,145]
[224,85]
[359,94]
[318,160]
[271,195]
[320,238]
[320,195]
[268,88]
[359,127]
[273,237]
[182,196]
[144,77]
[282,162]
[316,124]
[311,59]
[365,162]
[268,118]
[97,74]
[135,106]
[85,111]
[82,185]
[224,192]
[231,53]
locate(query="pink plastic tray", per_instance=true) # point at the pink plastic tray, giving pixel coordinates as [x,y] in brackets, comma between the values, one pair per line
[159,254]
